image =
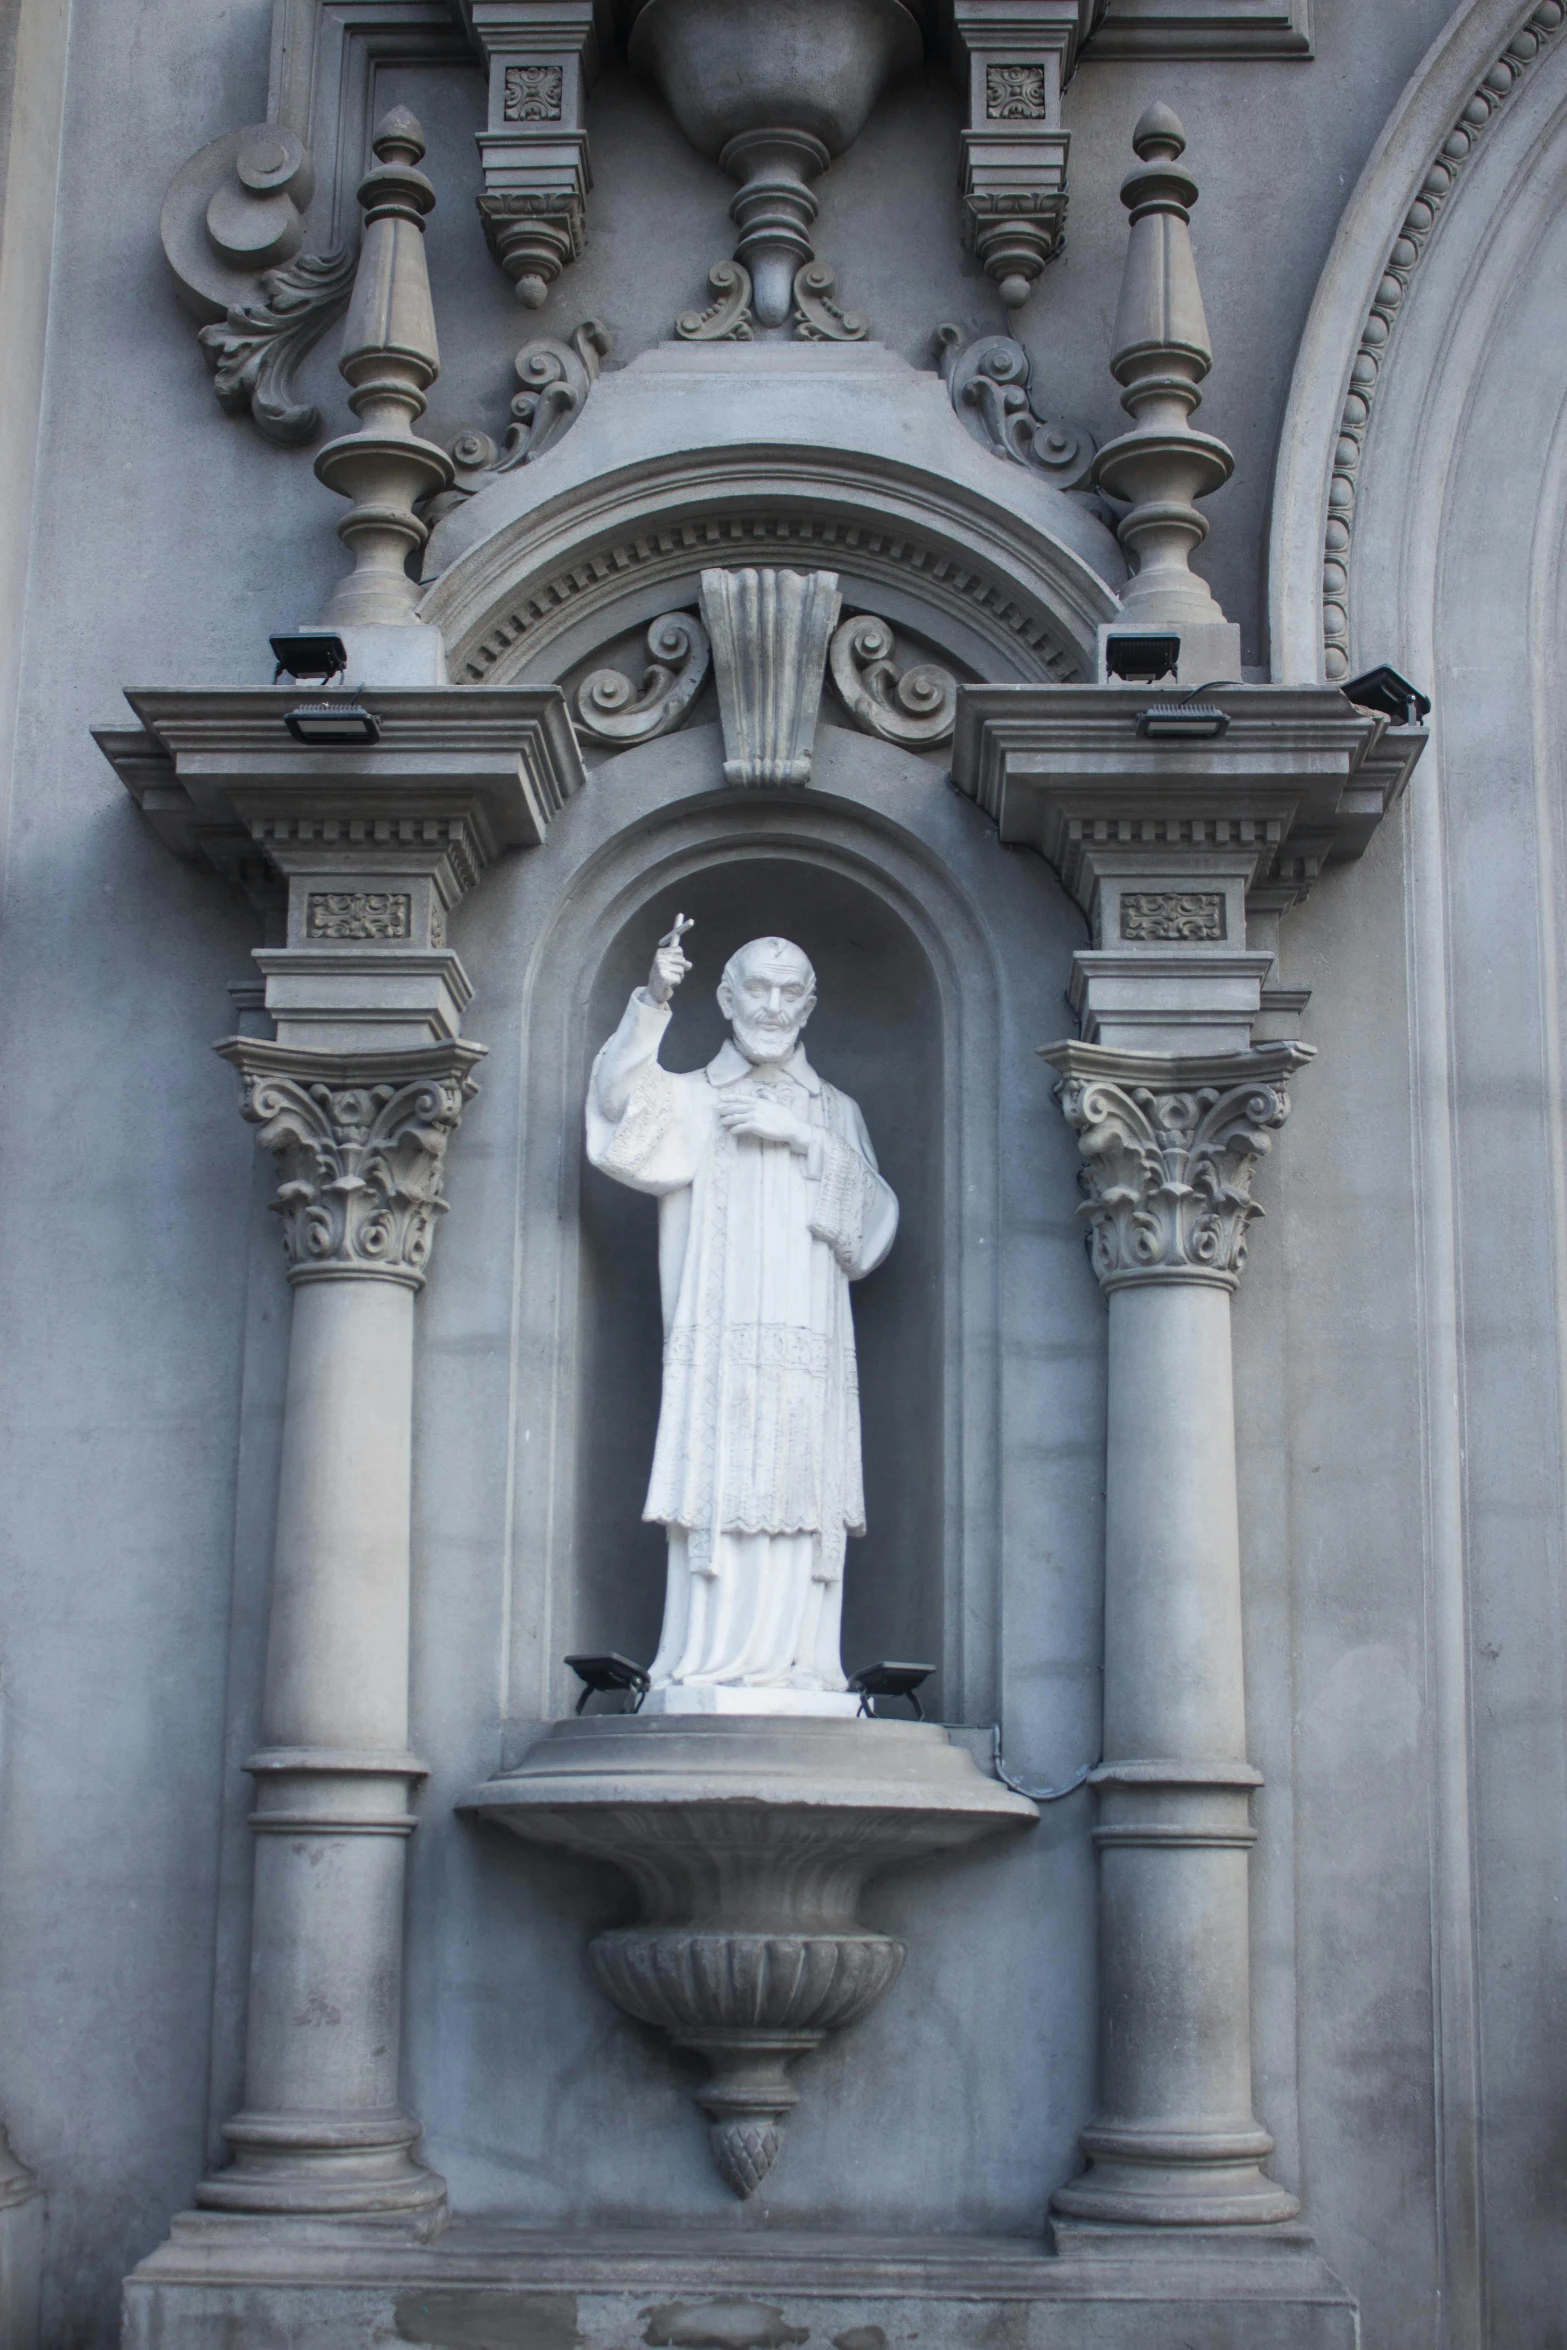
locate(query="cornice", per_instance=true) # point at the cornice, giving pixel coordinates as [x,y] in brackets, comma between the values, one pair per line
[1300,779]
[217,773]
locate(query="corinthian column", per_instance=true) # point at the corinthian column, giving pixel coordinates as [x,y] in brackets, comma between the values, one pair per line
[1169,1145]
[360,1141]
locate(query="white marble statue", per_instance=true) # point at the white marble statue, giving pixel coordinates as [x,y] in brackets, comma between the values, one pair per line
[769,1206]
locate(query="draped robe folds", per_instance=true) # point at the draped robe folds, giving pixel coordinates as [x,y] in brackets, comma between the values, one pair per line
[756,1469]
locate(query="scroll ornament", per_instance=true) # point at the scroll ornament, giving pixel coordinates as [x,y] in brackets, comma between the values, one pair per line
[917,708]
[556,377]
[991,387]
[1167,1172]
[361,1163]
[731,316]
[610,709]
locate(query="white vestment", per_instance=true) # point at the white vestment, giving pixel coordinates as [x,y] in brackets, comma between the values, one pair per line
[756,1470]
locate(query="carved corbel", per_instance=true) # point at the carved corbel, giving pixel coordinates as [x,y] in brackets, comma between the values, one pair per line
[991,387]
[542,57]
[233,224]
[1016,57]
[915,709]
[610,709]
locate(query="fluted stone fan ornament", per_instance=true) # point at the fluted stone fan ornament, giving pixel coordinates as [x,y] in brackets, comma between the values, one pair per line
[770,631]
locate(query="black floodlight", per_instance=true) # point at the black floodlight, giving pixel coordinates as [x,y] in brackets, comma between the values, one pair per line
[308,655]
[891,1680]
[335,725]
[1183,722]
[1142,656]
[607,1673]
[1383,689]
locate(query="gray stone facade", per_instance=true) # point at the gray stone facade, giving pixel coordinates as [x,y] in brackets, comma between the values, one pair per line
[1194,1975]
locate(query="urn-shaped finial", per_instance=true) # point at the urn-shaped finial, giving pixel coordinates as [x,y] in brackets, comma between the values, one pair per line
[390,358]
[1161,356]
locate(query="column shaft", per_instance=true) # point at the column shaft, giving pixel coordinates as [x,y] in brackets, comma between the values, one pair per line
[1169,1147]
[360,1142]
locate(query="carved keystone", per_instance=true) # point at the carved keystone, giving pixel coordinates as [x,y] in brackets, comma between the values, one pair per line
[770,632]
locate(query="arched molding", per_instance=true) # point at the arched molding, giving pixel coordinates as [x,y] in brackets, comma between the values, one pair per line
[970,567]
[1448,487]
[996,938]
[1469,79]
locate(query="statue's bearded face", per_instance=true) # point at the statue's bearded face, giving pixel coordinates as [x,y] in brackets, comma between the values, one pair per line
[767,994]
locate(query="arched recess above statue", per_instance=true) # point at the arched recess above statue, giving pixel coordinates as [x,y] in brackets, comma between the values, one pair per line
[843,459]
[981,1338]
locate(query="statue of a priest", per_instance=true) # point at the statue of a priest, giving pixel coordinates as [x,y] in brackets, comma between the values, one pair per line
[769,1206]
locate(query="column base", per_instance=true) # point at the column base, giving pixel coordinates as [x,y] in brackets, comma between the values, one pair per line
[253,2285]
[1176,2179]
[324,2164]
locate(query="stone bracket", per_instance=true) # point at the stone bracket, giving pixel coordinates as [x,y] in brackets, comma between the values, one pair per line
[542,57]
[1015,57]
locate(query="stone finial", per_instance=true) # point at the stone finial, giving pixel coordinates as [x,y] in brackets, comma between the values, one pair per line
[769,633]
[1161,356]
[390,358]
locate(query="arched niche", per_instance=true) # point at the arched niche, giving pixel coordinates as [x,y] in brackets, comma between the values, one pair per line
[943,961]
[878,1034]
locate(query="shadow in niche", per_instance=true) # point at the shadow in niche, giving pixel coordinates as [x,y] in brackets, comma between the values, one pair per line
[876,1034]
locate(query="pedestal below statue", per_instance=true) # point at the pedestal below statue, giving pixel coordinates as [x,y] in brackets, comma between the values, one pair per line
[748,1840]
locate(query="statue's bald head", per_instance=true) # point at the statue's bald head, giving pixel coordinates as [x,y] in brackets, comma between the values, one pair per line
[767,993]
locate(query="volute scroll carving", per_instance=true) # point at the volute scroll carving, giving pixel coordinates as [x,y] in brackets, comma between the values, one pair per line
[916,707]
[990,383]
[1169,1150]
[610,709]
[556,377]
[360,1142]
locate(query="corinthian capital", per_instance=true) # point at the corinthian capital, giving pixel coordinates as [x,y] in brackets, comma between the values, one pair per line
[1170,1145]
[360,1141]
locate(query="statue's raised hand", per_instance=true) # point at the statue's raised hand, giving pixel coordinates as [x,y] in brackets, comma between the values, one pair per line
[670,964]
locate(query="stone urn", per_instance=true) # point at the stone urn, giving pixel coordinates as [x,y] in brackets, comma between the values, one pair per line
[773,89]
[748,1839]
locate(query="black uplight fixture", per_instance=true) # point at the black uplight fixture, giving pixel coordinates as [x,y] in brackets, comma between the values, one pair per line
[310,656]
[1383,689]
[891,1680]
[1142,656]
[333,725]
[600,1675]
[1187,720]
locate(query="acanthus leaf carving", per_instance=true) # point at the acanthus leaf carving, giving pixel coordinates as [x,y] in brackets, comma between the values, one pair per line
[917,708]
[556,378]
[254,351]
[990,384]
[610,709]
[1169,1150]
[360,1143]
